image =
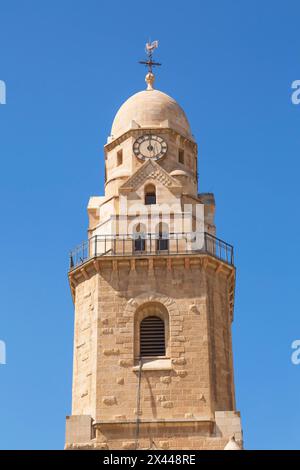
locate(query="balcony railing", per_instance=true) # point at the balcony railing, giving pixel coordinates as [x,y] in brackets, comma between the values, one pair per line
[148,244]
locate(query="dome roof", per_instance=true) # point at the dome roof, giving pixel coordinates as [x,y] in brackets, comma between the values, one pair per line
[150,108]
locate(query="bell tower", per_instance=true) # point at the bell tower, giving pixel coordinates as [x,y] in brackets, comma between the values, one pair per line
[153,289]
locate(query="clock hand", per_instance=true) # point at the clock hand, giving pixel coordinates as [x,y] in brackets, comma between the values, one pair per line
[150,147]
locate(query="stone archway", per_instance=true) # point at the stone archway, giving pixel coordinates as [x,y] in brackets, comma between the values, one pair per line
[134,303]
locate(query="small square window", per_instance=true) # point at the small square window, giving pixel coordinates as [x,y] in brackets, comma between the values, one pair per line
[181,156]
[150,199]
[119,157]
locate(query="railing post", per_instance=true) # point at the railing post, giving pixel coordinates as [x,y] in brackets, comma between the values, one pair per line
[96,245]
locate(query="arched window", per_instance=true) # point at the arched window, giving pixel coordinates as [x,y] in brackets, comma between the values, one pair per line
[139,237]
[162,242]
[150,194]
[152,337]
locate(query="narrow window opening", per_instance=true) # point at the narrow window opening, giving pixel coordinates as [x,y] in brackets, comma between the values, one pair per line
[139,238]
[150,195]
[181,156]
[119,157]
[162,242]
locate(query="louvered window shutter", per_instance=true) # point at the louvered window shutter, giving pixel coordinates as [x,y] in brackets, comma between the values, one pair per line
[152,337]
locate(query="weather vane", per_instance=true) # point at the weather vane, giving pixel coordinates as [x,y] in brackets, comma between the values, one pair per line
[150,47]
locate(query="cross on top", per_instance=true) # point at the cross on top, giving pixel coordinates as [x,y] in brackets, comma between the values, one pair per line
[150,47]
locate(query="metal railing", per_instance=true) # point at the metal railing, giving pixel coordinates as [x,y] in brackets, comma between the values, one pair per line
[151,244]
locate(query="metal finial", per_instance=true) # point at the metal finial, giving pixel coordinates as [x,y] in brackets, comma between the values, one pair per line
[150,47]
[149,79]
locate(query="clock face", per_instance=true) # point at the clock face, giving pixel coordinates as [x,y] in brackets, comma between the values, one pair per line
[150,146]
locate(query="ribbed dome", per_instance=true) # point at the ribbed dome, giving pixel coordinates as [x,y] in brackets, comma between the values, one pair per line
[150,108]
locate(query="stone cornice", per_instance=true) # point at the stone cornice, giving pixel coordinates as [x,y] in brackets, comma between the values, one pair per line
[209,263]
[165,422]
[137,132]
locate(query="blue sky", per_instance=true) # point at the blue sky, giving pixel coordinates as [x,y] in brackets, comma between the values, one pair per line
[68,66]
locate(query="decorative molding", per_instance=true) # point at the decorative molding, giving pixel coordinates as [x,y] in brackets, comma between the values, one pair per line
[149,170]
[147,297]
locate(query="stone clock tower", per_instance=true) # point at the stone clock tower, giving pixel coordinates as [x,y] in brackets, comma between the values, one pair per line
[153,290]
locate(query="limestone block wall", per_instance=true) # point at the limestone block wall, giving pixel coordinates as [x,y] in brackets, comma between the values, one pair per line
[198,378]
[220,343]
[85,348]
[181,391]
[174,436]
[194,380]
